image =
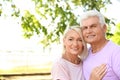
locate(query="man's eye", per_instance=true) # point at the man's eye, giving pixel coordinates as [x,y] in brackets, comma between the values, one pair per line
[93,25]
[84,28]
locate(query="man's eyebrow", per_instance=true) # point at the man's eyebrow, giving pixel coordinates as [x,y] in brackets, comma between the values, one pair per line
[83,26]
[89,25]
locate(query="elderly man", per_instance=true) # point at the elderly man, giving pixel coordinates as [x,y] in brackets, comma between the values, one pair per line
[101,50]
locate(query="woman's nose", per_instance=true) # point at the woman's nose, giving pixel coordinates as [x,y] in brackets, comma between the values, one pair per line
[75,43]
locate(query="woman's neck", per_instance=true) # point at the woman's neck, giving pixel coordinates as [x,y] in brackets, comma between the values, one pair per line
[71,58]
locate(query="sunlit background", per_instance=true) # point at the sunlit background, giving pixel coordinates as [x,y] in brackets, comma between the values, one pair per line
[15,51]
[19,55]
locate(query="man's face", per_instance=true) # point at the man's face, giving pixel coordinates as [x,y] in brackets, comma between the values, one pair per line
[92,30]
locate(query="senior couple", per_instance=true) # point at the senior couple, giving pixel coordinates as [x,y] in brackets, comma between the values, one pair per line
[100,61]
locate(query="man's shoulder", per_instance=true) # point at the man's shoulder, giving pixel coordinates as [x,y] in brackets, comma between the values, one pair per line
[114,45]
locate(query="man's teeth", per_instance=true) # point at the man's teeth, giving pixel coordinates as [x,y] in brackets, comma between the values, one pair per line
[91,36]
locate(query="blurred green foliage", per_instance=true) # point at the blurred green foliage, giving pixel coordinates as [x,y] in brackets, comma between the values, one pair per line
[116,36]
[52,17]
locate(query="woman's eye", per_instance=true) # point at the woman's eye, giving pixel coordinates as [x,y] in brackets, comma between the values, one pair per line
[70,39]
[80,40]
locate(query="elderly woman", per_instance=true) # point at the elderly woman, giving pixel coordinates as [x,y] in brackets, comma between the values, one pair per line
[69,66]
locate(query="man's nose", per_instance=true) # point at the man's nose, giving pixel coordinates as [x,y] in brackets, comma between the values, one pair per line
[89,30]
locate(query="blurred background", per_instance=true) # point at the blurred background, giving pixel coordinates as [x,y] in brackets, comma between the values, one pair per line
[31,32]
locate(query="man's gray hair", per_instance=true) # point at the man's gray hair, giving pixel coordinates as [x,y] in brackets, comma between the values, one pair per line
[92,13]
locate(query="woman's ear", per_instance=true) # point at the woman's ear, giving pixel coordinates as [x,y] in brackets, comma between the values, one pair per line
[63,41]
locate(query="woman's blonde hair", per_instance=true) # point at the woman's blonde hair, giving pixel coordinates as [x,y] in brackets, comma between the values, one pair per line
[84,53]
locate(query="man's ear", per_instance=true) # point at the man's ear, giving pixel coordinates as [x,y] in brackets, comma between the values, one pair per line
[105,28]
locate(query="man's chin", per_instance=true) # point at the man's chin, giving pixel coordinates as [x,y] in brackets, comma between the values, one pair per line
[89,41]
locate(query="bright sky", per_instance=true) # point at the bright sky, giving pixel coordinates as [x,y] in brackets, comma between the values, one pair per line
[11,35]
[113,10]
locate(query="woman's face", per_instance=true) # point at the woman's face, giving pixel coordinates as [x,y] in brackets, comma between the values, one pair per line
[73,42]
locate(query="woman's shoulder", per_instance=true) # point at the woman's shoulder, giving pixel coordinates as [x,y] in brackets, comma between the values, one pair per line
[59,62]
[59,65]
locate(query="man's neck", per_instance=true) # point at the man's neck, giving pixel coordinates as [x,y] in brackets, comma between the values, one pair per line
[98,46]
